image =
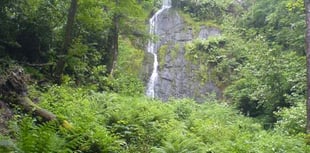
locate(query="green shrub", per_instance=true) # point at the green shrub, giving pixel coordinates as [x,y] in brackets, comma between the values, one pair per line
[78,106]
[126,84]
[109,122]
[292,120]
[38,138]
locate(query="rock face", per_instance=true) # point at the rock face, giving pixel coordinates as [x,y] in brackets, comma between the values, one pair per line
[176,74]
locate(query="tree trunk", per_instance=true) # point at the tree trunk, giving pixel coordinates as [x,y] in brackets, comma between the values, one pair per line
[114,43]
[67,41]
[114,40]
[307,11]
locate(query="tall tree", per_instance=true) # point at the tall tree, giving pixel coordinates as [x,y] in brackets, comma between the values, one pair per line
[307,11]
[115,35]
[122,13]
[67,41]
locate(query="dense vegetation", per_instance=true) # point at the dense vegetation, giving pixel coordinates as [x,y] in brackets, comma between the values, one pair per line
[106,122]
[258,61]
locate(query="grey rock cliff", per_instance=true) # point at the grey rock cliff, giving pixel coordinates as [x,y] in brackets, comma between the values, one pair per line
[176,75]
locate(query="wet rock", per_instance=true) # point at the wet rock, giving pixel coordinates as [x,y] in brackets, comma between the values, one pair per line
[177,77]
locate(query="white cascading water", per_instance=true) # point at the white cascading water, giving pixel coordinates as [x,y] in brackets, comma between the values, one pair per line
[153,49]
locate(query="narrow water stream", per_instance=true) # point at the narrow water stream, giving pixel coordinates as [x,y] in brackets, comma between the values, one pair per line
[153,49]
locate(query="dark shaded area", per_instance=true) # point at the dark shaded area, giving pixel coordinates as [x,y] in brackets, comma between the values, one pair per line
[13,89]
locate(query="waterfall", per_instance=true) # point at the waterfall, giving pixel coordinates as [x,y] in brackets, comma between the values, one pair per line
[153,49]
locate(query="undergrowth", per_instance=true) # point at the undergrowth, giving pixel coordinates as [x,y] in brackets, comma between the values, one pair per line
[108,122]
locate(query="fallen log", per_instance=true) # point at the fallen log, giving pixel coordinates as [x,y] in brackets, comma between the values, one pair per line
[36,110]
[13,89]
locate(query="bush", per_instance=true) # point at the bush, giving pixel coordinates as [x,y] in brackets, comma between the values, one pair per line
[291,121]
[125,84]
[107,122]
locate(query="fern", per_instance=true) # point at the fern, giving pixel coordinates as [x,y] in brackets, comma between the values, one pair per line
[105,122]
[180,143]
[7,145]
[32,138]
